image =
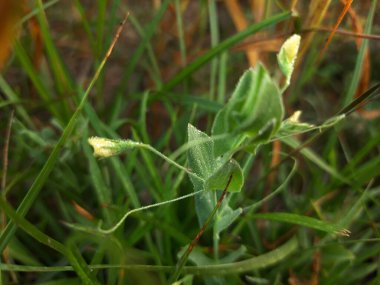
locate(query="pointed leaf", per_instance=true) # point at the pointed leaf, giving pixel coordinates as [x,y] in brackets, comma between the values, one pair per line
[202,162]
[262,137]
[219,179]
[222,126]
[226,218]
[255,102]
[204,204]
[263,102]
[201,153]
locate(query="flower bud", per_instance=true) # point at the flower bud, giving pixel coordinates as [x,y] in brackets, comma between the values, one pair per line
[104,147]
[287,56]
[290,47]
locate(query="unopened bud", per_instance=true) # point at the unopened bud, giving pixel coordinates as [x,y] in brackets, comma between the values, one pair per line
[287,56]
[104,147]
[291,47]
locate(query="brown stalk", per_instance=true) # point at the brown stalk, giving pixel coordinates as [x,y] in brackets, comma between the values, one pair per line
[184,257]
[338,22]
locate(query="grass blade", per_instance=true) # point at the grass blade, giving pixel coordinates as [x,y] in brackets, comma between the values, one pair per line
[257,262]
[30,228]
[359,61]
[197,63]
[79,264]
[34,190]
[302,221]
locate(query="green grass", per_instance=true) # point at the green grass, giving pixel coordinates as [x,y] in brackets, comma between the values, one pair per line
[171,67]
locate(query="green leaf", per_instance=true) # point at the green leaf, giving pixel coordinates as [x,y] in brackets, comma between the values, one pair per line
[30,228]
[220,177]
[215,173]
[293,125]
[313,157]
[264,135]
[334,254]
[262,261]
[263,102]
[303,221]
[79,264]
[201,153]
[64,281]
[275,256]
[201,161]
[199,258]
[333,121]
[225,218]
[221,126]
[255,103]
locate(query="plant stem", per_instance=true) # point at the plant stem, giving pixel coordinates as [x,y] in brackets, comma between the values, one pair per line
[118,224]
[152,149]
[182,261]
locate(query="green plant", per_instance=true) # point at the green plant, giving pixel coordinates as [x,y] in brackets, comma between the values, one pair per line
[253,116]
[152,209]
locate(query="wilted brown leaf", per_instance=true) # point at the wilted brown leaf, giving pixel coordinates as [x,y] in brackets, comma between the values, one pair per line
[10,12]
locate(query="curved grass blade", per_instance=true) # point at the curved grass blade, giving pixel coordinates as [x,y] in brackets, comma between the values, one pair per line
[247,265]
[30,228]
[110,230]
[354,82]
[302,221]
[363,98]
[257,262]
[79,264]
[313,157]
[35,11]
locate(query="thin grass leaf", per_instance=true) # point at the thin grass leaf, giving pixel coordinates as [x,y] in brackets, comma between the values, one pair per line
[313,157]
[302,221]
[14,99]
[63,81]
[258,262]
[30,228]
[149,31]
[361,154]
[80,266]
[40,180]
[20,252]
[214,33]
[41,89]
[100,27]
[102,192]
[363,98]
[152,66]
[181,36]
[223,46]
[360,58]
[85,23]
[249,209]
[37,10]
